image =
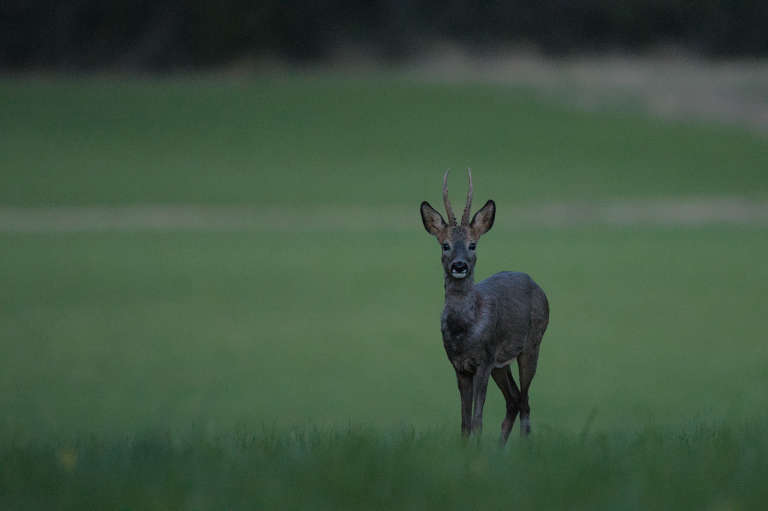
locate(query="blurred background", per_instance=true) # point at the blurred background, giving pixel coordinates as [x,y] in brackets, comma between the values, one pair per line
[171,34]
[209,211]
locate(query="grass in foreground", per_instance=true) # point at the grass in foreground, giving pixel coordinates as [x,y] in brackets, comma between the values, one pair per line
[704,467]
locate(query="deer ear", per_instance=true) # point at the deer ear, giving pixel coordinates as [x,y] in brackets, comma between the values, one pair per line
[483,219]
[433,220]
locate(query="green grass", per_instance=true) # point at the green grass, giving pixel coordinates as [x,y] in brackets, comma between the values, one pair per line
[303,368]
[699,468]
[116,331]
[320,140]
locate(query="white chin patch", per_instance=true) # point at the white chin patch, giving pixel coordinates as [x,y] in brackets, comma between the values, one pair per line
[458,275]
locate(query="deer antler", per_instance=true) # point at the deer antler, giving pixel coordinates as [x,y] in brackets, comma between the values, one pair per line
[468,207]
[448,209]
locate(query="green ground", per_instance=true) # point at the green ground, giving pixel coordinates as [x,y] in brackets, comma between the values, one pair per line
[302,367]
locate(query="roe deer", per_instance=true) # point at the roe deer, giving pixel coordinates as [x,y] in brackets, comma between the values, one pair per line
[487,325]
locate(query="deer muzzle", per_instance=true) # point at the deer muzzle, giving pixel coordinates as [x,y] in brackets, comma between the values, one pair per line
[459,269]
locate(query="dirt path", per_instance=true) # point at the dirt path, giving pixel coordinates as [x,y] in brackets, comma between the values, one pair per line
[657,212]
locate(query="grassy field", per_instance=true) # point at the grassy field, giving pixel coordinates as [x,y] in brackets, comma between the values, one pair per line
[701,468]
[299,364]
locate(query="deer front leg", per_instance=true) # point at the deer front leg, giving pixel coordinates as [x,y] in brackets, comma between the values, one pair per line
[465,392]
[479,388]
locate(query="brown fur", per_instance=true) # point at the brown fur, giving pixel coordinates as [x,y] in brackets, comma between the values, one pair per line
[488,325]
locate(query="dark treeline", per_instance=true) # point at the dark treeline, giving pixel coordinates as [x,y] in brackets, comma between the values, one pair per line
[170,34]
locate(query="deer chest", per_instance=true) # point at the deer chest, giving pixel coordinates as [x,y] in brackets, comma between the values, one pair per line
[463,350]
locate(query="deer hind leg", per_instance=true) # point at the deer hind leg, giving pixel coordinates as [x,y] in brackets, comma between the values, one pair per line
[506,383]
[526,363]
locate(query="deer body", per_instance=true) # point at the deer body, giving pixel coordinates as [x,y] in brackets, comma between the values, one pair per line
[491,322]
[488,325]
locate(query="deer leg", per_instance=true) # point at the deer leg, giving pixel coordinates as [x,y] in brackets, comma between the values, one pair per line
[465,392]
[479,389]
[503,378]
[526,362]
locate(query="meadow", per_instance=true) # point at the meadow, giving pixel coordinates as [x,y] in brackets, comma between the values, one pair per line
[295,360]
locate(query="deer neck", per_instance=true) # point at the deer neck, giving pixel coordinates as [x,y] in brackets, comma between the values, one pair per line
[459,293]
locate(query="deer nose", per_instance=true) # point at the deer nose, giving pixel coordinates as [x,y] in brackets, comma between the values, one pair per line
[459,267]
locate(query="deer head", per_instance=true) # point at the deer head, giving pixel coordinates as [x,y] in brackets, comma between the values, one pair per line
[458,242]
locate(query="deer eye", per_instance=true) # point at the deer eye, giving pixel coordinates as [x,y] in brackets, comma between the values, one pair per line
[472,246]
[446,247]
